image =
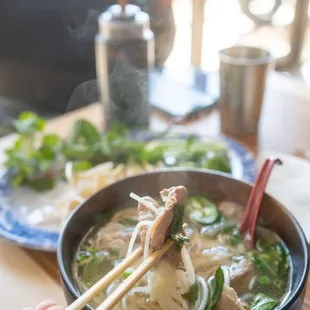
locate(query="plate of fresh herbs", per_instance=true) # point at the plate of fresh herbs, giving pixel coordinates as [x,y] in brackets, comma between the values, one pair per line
[45,177]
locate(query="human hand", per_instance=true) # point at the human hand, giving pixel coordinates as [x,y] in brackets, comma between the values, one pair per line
[46,305]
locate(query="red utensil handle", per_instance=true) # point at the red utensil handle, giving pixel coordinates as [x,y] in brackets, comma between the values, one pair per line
[250,217]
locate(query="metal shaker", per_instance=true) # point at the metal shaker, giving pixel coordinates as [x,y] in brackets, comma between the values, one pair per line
[125,53]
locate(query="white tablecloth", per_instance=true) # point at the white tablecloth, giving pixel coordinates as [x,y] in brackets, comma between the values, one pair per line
[290,184]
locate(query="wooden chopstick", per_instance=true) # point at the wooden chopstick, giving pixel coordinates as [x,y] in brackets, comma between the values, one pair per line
[122,289]
[98,287]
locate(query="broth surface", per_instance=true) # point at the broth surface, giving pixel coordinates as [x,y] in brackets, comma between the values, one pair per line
[214,242]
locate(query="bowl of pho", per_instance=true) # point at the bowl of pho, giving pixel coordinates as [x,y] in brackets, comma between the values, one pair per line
[210,264]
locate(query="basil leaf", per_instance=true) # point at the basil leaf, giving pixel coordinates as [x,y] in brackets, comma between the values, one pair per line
[177,222]
[217,284]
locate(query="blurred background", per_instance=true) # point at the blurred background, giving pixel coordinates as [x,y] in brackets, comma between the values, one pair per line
[43,78]
[263,23]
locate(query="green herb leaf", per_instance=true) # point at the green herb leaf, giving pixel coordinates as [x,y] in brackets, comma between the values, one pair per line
[52,141]
[180,239]
[192,295]
[261,263]
[84,133]
[220,162]
[128,272]
[263,302]
[264,280]
[217,284]
[29,123]
[83,257]
[177,222]
[234,238]
[81,165]
[42,185]
[95,269]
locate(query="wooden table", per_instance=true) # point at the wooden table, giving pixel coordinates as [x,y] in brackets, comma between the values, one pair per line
[285,127]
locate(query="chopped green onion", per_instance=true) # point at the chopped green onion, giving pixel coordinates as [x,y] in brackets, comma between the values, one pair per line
[264,280]
[127,273]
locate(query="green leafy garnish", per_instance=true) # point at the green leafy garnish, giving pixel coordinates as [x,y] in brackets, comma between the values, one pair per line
[38,159]
[81,165]
[263,302]
[176,226]
[29,123]
[177,222]
[264,280]
[192,295]
[127,273]
[217,285]
[83,257]
[83,142]
[180,239]
[219,161]
[234,238]
[32,162]
[96,268]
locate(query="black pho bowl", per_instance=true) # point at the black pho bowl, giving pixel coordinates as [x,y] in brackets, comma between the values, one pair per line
[214,185]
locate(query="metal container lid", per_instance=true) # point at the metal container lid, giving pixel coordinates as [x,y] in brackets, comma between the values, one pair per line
[129,22]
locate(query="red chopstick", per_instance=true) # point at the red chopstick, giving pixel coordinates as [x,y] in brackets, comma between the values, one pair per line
[250,216]
[123,4]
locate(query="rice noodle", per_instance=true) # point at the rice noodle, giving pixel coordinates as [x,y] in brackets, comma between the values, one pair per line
[147,242]
[145,203]
[135,234]
[124,303]
[69,172]
[258,246]
[135,290]
[139,289]
[204,293]
[252,283]
[226,273]
[188,266]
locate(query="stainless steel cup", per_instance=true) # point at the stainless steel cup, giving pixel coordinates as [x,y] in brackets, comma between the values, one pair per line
[243,72]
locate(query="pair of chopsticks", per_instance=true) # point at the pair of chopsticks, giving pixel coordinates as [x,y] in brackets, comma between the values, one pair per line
[250,216]
[126,285]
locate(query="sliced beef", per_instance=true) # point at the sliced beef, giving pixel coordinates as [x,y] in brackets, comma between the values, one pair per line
[177,193]
[160,230]
[240,275]
[231,210]
[229,300]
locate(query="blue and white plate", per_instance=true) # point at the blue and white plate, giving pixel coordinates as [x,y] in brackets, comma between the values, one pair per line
[14,204]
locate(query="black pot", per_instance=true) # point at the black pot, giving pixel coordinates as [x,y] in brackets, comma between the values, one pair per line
[214,185]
